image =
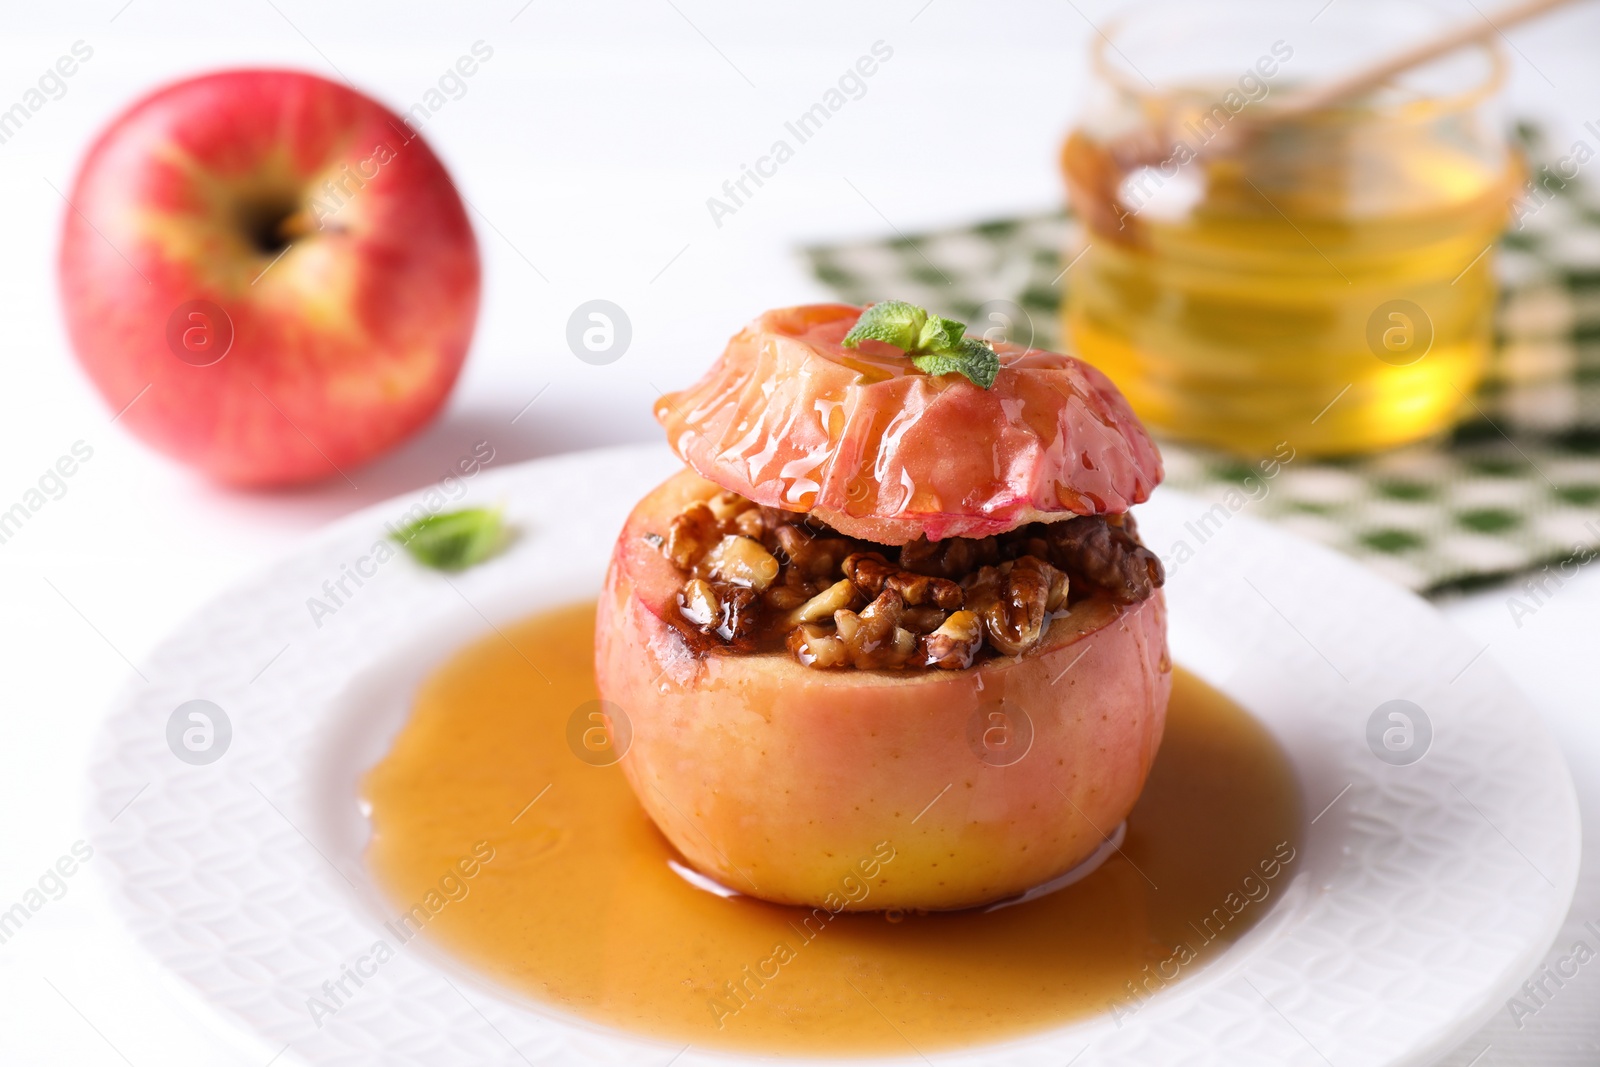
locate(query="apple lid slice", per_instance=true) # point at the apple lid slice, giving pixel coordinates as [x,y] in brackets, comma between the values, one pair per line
[810,410]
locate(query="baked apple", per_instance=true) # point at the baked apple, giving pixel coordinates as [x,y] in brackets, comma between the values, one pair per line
[891,641]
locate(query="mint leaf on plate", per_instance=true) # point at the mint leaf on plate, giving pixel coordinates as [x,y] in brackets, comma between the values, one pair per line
[454,540]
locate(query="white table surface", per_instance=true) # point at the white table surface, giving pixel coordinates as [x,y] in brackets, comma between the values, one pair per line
[588,144]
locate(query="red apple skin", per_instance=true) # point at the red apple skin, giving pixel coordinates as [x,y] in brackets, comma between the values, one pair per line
[342,348]
[863,440]
[784,782]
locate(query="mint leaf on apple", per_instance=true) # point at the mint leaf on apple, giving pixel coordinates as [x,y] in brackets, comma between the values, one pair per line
[940,334]
[894,322]
[935,345]
[970,358]
[455,540]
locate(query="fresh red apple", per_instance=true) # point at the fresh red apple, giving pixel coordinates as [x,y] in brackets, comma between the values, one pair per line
[271,272]
[792,784]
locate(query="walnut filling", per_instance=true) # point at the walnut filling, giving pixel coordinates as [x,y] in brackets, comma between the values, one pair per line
[757,579]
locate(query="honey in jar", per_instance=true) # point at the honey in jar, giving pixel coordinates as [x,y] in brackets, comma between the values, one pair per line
[1325,279]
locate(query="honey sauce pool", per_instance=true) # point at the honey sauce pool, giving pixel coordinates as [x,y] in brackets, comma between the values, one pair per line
[572,902]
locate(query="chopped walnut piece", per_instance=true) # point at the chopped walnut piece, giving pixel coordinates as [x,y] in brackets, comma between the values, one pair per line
[875,637]
[872,572]
[1028,587]
[739,616]
[817,557]
[741,561]
[954,557]
[922,589]
[724,612]
[1032,568]
[902,647]
[1012,600]
[838,596]
[690,535]
[1029,546]
[750,524]
[982,589]
[698,603]
[818,646]
[726,505]
[923,620]
[790,590]
[1103,556]
[954,645]
[868,570]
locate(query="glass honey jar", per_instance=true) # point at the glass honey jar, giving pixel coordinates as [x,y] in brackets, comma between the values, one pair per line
[1250,276]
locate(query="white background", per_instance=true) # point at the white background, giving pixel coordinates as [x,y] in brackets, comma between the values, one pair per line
[589,144]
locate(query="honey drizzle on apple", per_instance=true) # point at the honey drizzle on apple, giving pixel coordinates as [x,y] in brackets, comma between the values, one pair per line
[579,911]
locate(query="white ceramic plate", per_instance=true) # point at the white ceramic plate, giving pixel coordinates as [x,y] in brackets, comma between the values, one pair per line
[1424,894]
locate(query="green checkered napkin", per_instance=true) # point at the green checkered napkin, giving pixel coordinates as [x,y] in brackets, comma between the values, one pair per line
[1516,487]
